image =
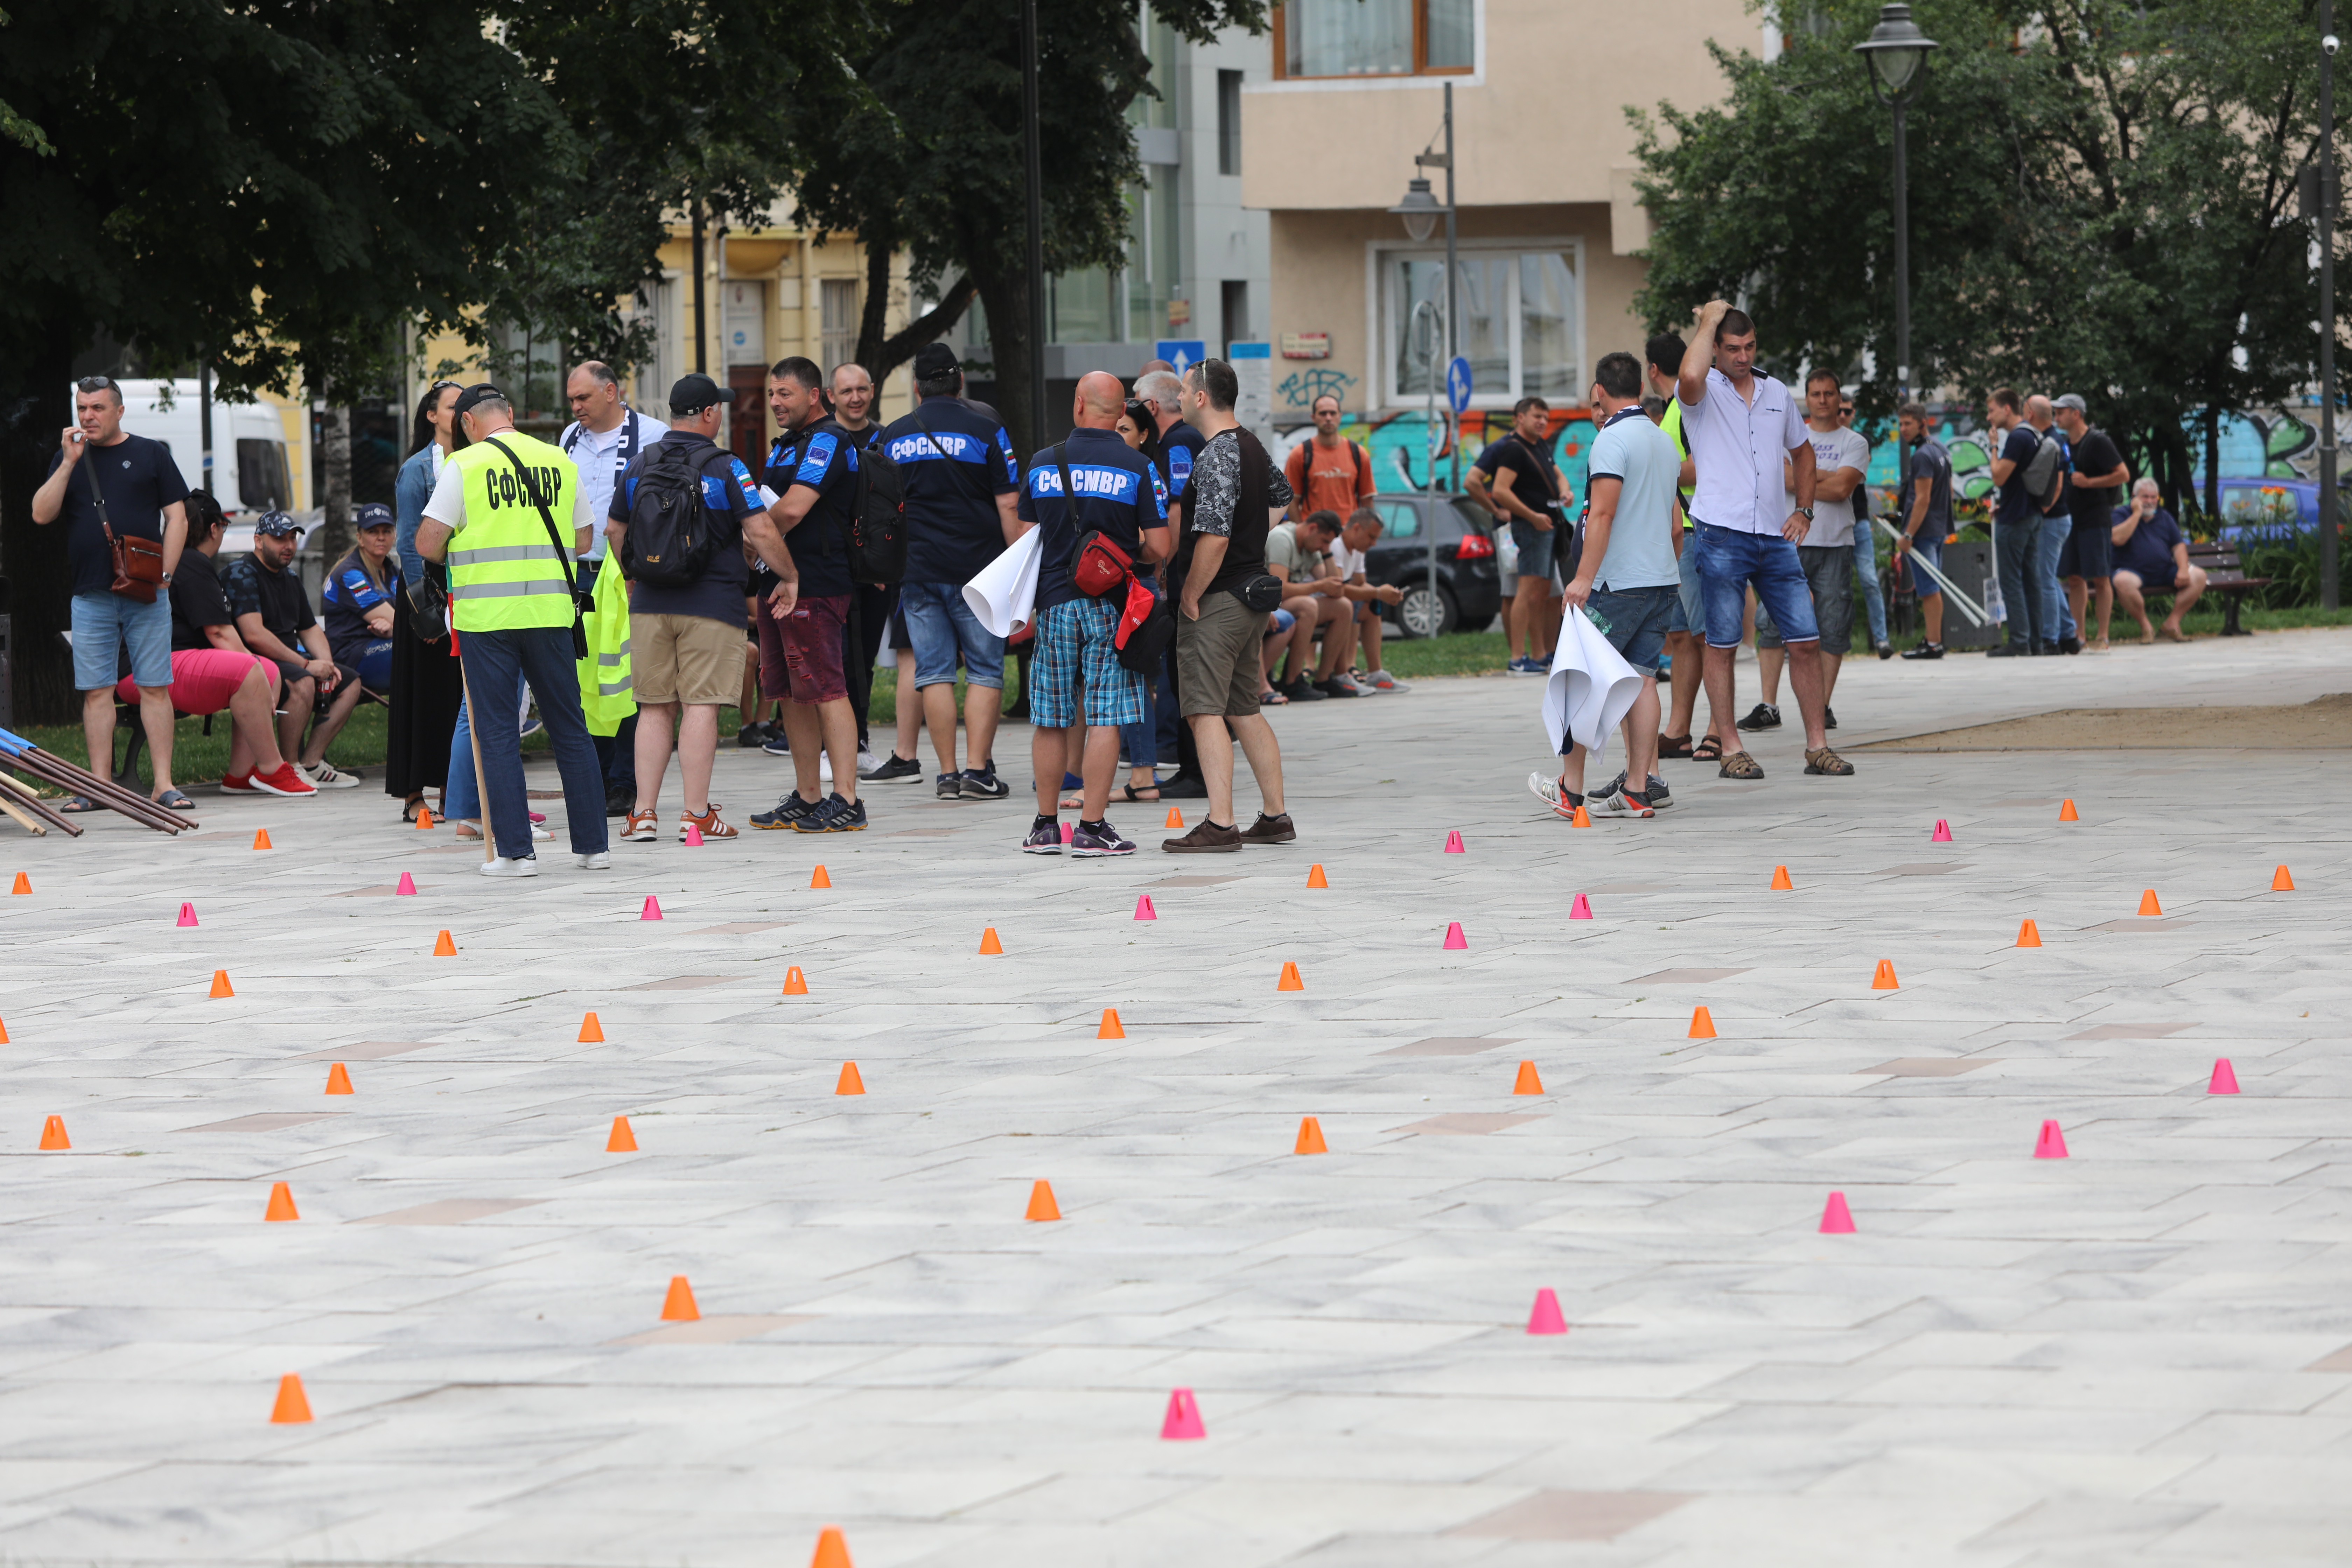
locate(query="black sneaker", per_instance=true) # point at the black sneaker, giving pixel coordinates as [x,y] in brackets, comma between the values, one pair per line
[2009,650]
[981,783]
[1182,786]
[1104,840]
[1886,650]
[893,771]
[789,811]
[1303,690]
[1924,650]
[834,815]
[1338,686]
[620,799]
[1763,716]
[1829,718]
[948,787]
[752,735]
[2070,645]
[1045,838]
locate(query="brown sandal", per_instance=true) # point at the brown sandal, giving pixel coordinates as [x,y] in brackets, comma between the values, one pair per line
[1828,762]
[1674,748]
[1708,750]
[1740,765]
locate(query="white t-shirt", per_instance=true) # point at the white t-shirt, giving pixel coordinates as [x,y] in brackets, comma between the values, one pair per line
[1350,562]
[598,457]
[1833,450]
[1739,446]
[447,505]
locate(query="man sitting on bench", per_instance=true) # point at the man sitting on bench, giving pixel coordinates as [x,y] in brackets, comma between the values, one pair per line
[2152,557]
[274,619]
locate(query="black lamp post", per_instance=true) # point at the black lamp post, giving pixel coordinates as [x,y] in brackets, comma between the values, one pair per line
[1896,51]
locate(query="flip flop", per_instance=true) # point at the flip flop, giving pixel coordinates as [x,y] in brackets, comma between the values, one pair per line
[74,805]
[175,800]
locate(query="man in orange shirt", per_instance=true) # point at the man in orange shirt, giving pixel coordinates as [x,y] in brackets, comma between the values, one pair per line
[1328,473]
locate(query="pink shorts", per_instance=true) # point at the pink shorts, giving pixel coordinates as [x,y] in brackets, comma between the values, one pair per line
[204,678]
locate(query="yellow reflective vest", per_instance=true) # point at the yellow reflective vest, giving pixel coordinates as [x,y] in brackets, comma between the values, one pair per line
[505,573]
[607,694]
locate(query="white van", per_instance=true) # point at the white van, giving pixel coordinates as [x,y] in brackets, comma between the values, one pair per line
[251,471]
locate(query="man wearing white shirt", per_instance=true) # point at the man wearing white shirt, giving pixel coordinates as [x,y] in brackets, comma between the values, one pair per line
[1742,425]
[604,435]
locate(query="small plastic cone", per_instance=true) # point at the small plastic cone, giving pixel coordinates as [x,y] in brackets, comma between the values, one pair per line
[1289,981]
[1069,831]
[1310,1137]
[293,1406]
[1582,909]
[4,1033]
[25,883]
[591,1033]
[1546,1318]
[1702,1025]
[1781,883]
[832,1551]
[53,1133]
[187,914]
[423,820]
[849,1082]
[282,1203]
[1884,979]
[220,984]
[624,1140]
[2029,935]
[1143,909]
[339,1081]
[1041,1202]
[2147,904]
[1454,843]
[1175,817]
[2225,1078]
[1836,1219]
[443,947]
[795,983]
[2280,882]
[1315,877]
[652,911]
[1110,1030]
[988,942]
[678,1306]
[408,888]
[1943,834]
[1453,937]
[819,880]
[693,836]
[2066,812]
[1528,1082]
[261,841]
[2051,1144]
[1183,1421]
[1581,819]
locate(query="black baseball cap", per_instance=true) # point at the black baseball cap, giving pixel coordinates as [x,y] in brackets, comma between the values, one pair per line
[373,514]
[933,360]
[278,524]
[693,392]
[480,393]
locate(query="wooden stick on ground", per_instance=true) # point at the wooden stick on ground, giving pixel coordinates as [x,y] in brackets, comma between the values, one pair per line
[38,807]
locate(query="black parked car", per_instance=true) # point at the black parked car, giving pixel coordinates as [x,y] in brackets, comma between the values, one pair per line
[1469,586]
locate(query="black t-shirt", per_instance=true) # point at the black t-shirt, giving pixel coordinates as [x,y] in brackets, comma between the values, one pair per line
[1178,455]
[822,456]
[1119,492]
[197,602]
[954,462]
[2094,454]
[138,480]
[275,596]
[1535,477]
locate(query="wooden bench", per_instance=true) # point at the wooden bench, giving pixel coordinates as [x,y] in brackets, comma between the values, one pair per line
[2225,575]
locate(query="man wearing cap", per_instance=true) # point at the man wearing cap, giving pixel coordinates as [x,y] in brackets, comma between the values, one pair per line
[604,436]
[505,516]
[2094,490]
[956,463]
[274,617]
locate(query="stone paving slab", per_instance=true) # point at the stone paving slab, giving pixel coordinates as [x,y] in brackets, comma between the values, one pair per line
[2143,1349]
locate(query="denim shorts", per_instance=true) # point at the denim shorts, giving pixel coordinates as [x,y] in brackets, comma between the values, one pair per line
[103,622]
[1074,645]
[1930,549]
[941,624]
[1731,560]
[1690,609]
[1534,547]
[1635,621]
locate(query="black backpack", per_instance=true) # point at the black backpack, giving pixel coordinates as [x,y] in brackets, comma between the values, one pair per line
[877,536]
[673,536]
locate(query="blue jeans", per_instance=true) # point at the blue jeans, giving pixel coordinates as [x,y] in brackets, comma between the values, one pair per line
[1731,560]
[2055,619]
[939,625]
[501,662]
[1865,569]
[2014,548]
[102,623]
[459,799]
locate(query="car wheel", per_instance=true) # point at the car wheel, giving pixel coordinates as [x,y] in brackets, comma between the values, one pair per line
[1420,617]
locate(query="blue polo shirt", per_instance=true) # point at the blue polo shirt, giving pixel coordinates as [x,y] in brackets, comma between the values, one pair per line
[1119,492]
[953,461]
[823,457]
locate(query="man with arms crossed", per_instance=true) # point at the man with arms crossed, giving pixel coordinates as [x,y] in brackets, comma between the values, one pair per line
[1840,458]
[1516,476]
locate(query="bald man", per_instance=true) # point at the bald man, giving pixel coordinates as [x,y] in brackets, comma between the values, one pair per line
[1114,490]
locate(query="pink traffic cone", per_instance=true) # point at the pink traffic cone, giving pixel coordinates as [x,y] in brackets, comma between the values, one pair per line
[1836,1218]
[653,909]
[2225,1078]
[1143,909]
[1453,937]
[1183,1416]
[693,836]
[1546,1318]
[1068,831]
[187,914]
[408,888]
[2051,1144]
[1579,911]
[1453,842]
[1943,834]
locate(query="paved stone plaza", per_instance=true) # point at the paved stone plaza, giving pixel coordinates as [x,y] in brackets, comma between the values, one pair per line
[2142,1352]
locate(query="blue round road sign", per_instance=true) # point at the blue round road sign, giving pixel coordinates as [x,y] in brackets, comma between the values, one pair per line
[1457,383]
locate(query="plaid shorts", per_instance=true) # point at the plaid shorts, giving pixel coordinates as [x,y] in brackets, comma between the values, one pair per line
[1073,641]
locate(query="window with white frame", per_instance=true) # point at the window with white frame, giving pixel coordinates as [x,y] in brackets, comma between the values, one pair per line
[1520,324]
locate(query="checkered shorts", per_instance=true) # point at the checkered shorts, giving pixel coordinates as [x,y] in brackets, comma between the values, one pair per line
[1074,642]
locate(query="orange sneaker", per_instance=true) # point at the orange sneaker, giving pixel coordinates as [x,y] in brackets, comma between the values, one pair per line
[643,825]
[708,822]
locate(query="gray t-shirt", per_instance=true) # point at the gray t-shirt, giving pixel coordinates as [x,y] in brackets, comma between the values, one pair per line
[1833,521]
[1646,463]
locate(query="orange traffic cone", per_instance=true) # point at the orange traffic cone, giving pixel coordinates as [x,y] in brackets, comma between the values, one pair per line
[678,1306]
[261,841]
[2147,904]
[1315,877]
[2066,812]
[1529,1083]
[2029,935]
[819,880]
[1581,819]
[1289,981]
[1781,883]
[4,1034]
[591,1033]
[1310,1137]
[832,1551]
[2280,882]
[53,1133]
[1110,1030]
[795,983]
[1175,817]
[1884,979]
[443,947]
[1041,1202]
[849,1082]
[24,884]
[220,984]
[424,819]
[988,942]
[624,1140]
[1702,1025]
[293,1406]
[339,1081]
[282,1203]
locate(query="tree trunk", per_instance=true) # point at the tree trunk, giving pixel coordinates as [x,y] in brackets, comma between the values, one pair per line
[33,408]
[1005,296]
[336,535]
[881,353]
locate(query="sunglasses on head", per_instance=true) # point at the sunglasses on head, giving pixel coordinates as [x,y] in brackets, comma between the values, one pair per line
[96,383]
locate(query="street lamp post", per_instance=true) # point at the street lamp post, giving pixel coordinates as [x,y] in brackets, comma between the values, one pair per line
[2329,565]
[1421,210]
[1034,168]
[1895,52]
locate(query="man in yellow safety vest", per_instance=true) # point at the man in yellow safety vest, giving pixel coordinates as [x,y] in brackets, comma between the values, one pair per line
[493,518]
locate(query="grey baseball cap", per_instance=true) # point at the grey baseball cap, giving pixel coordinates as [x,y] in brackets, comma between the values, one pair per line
[2069,400]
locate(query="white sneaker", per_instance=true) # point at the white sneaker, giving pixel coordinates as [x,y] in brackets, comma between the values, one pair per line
[1616,804]
[867,762]
[322,774]
[599,861]
[526,866]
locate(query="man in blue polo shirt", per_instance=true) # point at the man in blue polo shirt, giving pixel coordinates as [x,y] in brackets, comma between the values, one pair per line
[1120,494]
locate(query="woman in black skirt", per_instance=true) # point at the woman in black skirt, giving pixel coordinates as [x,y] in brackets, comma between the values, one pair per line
[425,685]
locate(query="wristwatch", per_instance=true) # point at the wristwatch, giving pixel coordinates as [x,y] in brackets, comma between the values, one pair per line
[1807,511]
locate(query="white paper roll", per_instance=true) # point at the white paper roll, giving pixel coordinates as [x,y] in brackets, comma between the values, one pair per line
[1004,595]
[1591,688]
